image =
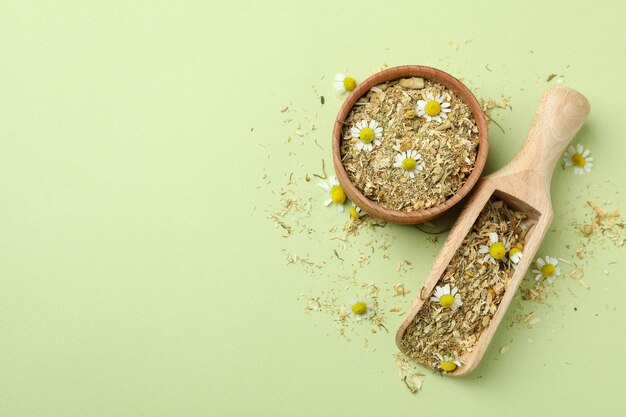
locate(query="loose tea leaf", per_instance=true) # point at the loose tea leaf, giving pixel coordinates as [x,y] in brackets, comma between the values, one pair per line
[481,284]
[448,149]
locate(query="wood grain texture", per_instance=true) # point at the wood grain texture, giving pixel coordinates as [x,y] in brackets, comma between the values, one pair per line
[433,74]
[524,183]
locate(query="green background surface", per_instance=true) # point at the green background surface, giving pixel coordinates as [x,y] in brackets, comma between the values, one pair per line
[139,272]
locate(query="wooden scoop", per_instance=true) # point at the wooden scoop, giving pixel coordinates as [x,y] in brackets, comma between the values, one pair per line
[524,184]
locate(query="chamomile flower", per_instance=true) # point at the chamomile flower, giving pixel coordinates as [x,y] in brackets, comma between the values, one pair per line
[515,255]
[368,134]
[447,363]
[447,297]
[360,309]
[433,108]
[411,163]
[547,269]
[335,193]
[343,83]
[355,212]
[496,250]
[578,158]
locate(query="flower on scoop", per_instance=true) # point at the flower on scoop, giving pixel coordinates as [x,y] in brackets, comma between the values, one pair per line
[447,297]
[515,255]
[495,251]
[447,363]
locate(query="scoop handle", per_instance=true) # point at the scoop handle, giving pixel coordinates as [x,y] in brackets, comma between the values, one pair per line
[560,114]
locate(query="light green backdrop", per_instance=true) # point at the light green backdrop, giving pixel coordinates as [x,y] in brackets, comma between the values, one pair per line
[139,274]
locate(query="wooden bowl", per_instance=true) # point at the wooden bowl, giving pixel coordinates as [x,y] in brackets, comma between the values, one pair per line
[428,73]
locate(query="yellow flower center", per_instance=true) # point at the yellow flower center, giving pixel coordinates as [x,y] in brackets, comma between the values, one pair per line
[497,250]
[513,251]
[578,160]
[547,270]
[432,108]
[337,194]
[354,213]
[349,83]
[447,365]
[359,308]
[446,300]
[409,164]
[367,135]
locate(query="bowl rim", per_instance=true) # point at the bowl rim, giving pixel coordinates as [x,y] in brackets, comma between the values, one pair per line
[410,217]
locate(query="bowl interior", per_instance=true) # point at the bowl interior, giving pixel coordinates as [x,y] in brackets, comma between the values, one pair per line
[411,217]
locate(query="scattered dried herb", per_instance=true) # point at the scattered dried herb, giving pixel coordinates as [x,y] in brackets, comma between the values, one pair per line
[489,105]
[409,373]
[602,225]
